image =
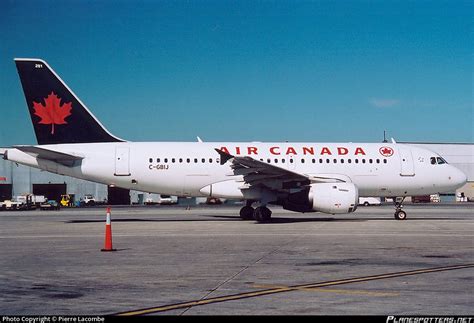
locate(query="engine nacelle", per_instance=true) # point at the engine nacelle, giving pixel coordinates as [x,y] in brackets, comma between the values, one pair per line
[333,198]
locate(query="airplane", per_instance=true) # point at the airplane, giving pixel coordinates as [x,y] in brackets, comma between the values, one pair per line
[300,177]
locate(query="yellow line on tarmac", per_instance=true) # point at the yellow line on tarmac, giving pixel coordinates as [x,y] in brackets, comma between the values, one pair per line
[337,291]
[282,289]
[351,292]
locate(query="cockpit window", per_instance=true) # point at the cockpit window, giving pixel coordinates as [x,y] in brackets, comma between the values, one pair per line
[441,161]
[437,161]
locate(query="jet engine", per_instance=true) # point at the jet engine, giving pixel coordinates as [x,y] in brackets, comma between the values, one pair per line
[333,198]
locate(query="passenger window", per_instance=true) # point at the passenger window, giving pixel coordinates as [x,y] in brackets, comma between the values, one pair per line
[335,161]
[166,160]
[150,160]
[378,161]
[157,160]
[327,161]
[291,161]
[173,160]
[320,160]
[203,160]
[433,160]
[181,160]
[342,161]
[276,161]
[370,160]
[349,160]
[302,161]
[356,161]
[314,161]
[363,160]
[210,160]
[283,160]
[384,161]
[188,160]
[195,160]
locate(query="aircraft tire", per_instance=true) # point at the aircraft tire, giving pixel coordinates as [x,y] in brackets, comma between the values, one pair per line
[400,215]
[262,214]
[246,213]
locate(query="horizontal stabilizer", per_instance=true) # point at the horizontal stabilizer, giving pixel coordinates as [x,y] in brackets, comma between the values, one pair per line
[48,154]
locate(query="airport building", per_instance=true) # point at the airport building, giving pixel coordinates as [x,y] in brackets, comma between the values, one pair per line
[19,180]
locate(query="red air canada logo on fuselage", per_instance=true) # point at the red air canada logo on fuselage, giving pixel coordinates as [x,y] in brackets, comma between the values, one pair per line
[386,151]
[52,111]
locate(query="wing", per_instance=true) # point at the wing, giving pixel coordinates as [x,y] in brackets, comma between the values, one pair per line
[48,154]
[258,173]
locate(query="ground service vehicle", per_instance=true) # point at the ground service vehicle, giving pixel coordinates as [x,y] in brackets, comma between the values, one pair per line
[50,205]
[366,201]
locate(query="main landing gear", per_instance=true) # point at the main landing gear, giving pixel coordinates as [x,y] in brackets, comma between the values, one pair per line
[246,213]
[399,213]
[259,214]
[262,214]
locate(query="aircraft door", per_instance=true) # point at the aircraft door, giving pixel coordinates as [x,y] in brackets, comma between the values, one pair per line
[406,160]
[122,161]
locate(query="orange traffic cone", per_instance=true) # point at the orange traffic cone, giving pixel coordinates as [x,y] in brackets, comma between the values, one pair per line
[108,234]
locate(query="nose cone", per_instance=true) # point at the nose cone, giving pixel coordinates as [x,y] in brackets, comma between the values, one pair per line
[457,177]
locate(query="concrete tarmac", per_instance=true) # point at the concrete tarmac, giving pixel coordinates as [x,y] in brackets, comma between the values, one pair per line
[206,260]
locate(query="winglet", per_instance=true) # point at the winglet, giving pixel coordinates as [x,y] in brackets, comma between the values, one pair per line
[224,156]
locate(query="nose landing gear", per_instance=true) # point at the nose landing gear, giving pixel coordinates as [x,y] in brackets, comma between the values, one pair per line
[399,213]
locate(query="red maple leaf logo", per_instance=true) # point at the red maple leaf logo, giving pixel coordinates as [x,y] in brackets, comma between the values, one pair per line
[52,112]
[386,151]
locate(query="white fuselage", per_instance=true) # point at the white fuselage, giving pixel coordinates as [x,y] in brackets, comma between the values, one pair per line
[187,168]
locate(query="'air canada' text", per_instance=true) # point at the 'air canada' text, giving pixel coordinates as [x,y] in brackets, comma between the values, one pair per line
[290,150]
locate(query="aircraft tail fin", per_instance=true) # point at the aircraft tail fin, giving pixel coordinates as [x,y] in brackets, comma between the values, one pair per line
[58,115]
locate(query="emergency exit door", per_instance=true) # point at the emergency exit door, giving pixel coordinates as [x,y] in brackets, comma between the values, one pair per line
[406,161]
[122,161]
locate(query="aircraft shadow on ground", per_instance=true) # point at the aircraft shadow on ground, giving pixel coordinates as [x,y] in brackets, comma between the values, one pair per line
[283,220]
[274,220]
[145,220]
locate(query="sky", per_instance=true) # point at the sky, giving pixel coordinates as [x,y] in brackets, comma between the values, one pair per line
[319,71]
